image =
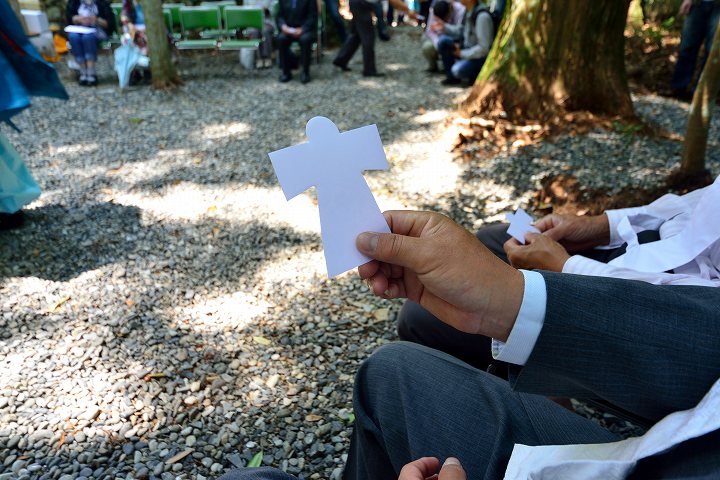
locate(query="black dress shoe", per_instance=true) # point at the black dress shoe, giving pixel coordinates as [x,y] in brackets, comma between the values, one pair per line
[373,74]
[92,81]
[451,81]
[384,37]
[305,77]
[342,67]
[285,77]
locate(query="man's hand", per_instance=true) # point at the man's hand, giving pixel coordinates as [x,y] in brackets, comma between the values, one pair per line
[576,233]
[456,51]
[433,261]
[685,7]
[425,468]
[298,32]
[540,252]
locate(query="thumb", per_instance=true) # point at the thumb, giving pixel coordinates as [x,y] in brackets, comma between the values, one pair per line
[452,470]
[392,248]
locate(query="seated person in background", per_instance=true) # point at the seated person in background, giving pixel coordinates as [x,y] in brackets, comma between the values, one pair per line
[268,32]
[443,12]
[599,244]
[464,60]
[564,335]
[296,21]
[88,13]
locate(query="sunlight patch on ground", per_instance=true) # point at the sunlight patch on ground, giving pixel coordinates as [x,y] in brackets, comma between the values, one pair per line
[77,149]
[222,130]
[280,270]
[228,312]
[435,173]
[188,201]
[433,116]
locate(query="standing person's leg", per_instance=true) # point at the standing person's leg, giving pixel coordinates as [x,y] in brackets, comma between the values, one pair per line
[352,43]
[284,42]
[333,9]
[691,38]
[306,42]
[411,402]
[89,42]
[363,16]
[382,27]
[713,18]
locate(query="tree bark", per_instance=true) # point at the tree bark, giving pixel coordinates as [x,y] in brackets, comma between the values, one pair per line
[164,74]
[701,109]
[551,56]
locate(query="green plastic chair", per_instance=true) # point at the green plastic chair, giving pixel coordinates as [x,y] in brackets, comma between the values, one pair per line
[174,9]
[204,19]
[238,19]
[221,4]
[117,10]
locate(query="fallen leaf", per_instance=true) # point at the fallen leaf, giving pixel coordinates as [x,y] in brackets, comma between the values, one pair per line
[381,314]
[136,120]
[150,376]
[350,419]
[57,304]
[178,457]
[262,340]
[212,208]
[313,418]
[129,302]
[256,460]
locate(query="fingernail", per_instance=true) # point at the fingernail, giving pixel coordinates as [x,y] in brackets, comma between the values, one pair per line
[367,243]
[451,461]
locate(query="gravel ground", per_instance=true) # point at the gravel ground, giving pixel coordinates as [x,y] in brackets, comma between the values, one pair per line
[165,312]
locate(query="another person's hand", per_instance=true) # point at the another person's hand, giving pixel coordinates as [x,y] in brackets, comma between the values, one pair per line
[456,50]
[285,29]
[413,14]
[425,468]
[438,26]
[539,253]
[685,7]
[435,262]
[298,31]
[576,233]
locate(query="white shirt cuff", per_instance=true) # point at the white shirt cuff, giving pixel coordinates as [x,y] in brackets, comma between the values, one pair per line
[528,324]
[614,218]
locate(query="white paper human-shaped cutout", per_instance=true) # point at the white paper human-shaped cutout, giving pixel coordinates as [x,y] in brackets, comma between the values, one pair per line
[520,224]
[333,162]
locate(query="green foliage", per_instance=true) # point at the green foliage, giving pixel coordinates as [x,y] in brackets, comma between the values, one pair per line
[350,419]
[628,130]
[256,460]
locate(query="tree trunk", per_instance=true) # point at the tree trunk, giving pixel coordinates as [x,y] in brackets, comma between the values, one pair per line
[163,71]
[551,56]
[701,109]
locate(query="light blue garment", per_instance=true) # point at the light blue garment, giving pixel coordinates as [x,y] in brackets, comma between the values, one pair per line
[17,186]
[126,57]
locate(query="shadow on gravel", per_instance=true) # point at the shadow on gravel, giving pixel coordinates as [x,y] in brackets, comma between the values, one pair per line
[58,243]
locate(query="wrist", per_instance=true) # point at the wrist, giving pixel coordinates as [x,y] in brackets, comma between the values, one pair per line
[601,228]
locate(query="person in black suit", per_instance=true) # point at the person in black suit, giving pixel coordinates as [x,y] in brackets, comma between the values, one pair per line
[362,33]
[296,22]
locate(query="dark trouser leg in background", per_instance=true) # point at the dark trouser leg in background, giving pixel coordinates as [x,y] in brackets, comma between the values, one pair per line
[263,473]
[284,42]
[411,401]
[306,42]
[445,48]
[334,12]
[694,30]
[352,42]
[362,16]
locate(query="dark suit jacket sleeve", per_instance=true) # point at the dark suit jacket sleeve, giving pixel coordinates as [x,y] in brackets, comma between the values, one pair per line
[280,19]
[105,12]
[310,23]
[649,349]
